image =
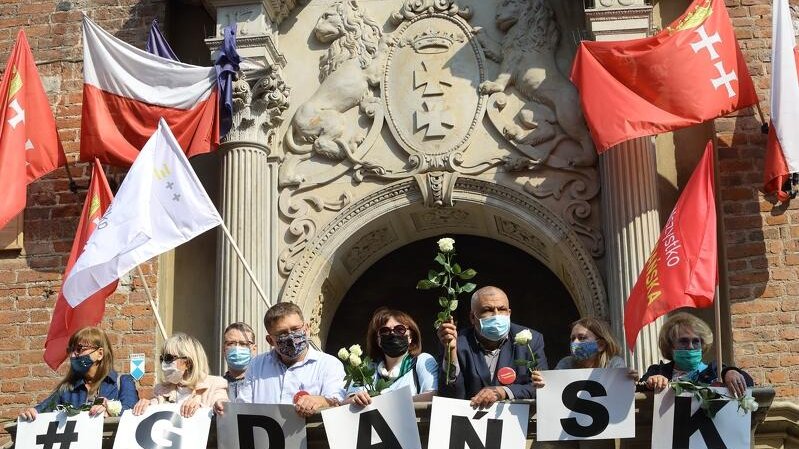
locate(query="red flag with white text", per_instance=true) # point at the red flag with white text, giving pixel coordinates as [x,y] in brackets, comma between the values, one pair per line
[683,268]
[66,319]
[782,149]
[690,72]
[29,144]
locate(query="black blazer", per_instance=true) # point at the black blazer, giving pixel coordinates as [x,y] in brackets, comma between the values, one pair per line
[474,374]
[707,376]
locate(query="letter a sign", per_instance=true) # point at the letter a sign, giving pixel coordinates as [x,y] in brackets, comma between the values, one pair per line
[679,423]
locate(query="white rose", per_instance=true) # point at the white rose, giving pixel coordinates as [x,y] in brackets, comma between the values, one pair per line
[114,408]
[523,337]
[356,349]
[355,360]
[343,354]
[749,404]
[446,245]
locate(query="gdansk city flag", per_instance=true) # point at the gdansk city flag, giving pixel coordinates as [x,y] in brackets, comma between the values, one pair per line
[690,72]
[683,268]
[127,90]
[782,149]
[66,319]
[29,145]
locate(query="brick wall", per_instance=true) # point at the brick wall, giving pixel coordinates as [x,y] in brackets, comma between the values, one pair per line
[762,237]
[29,281]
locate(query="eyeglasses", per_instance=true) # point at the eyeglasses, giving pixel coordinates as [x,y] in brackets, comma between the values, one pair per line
[689,343]
[399,329]
[169,358]
[232,343]
[78,349]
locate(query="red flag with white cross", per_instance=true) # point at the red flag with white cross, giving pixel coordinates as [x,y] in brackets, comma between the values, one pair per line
[690,72]
[29,144]
[683,268]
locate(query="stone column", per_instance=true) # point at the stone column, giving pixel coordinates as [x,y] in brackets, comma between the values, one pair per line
[628,172]
[248,173]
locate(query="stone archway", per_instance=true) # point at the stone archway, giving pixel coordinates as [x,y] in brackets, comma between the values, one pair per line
[395,215]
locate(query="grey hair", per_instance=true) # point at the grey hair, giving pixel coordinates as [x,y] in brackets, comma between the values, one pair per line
[488,290]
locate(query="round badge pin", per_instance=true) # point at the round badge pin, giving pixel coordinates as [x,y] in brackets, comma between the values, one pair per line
[300,394]
[506,375]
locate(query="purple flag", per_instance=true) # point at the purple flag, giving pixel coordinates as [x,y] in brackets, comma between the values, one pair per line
[157,44]
[227,65]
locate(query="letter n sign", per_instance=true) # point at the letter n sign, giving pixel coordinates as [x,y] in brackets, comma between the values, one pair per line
[454,424]
[678,422]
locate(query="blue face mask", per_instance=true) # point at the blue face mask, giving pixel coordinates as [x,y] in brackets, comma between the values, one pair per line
[687,359]
[495,327]
[238,358]
[80,365]
[584,350]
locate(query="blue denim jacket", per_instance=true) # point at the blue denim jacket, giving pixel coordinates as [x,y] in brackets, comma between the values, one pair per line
[77,394]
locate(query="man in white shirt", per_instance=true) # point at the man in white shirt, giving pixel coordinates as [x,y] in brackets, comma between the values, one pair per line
[292,372]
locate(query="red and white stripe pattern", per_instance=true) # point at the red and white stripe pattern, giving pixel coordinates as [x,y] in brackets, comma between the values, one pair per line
[126,90]
[782,151]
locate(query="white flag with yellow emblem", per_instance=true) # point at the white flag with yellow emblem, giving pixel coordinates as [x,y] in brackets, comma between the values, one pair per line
[160,205]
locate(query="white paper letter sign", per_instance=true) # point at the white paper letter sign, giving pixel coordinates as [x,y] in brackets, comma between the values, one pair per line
[250,426]
[586,404]
[162,426]
[679,423]
[389,422]
[455,424]
[57,430]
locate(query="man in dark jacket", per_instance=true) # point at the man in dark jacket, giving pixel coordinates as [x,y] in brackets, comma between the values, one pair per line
[480,351]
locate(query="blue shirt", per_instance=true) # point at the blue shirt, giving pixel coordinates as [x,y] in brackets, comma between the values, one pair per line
[426,371]
[77,394]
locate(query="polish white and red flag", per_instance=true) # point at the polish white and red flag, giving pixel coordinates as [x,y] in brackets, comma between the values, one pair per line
[782,149]
[127,90]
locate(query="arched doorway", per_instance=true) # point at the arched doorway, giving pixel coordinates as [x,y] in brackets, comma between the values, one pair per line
[538,298]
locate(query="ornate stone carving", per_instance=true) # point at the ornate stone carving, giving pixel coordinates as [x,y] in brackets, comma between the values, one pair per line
[258,109]
[436,188]
[302,229]
[413,8]
[368,245]
[348,71]
[527,58]
[440,218]
[517,232]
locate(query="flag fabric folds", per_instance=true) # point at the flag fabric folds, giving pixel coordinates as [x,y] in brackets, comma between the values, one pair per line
[157,43]
[67,320]
[227,66]
[782,149]
[125,92]
[683,268]
[690,72]
[160,205]
[29,144]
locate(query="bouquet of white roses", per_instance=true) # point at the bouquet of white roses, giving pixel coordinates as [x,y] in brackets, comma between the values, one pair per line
[360,371]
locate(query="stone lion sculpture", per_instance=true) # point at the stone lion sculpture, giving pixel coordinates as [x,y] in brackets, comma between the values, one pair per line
[351,67]
[527,61]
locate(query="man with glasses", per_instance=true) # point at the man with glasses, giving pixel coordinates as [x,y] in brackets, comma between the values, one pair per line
[292,372]
[238,345]
[481,351]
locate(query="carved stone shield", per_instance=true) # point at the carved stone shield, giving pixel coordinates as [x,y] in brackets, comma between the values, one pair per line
[431,85]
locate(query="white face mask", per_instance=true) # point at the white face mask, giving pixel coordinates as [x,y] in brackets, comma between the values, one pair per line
[172,374]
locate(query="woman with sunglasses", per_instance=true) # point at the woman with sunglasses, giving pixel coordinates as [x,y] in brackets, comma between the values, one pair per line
[185,378]
[394,343]
[684,339]
[91,379]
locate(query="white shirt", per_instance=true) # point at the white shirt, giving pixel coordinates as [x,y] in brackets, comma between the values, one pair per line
[269,381]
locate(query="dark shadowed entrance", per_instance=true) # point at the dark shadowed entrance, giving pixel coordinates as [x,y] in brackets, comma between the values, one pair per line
[537,297]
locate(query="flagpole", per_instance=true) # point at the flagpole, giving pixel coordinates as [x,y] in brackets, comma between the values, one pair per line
[717,311]
[720,259]
[152,303]
[246,265]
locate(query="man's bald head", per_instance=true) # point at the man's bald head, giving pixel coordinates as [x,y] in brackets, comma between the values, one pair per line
[485,292]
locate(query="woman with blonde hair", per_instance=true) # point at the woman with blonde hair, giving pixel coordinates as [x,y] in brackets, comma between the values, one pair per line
[185,378]
[592,345]
[91,379]
[685,339]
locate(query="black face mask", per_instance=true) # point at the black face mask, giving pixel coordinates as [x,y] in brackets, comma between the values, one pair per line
[394,345]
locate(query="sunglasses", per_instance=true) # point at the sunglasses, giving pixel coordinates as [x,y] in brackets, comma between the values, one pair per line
[78,349]
[399,329]
[169,358]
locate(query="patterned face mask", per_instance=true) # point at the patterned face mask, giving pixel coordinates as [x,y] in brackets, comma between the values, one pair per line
[584,350]
[292,344]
